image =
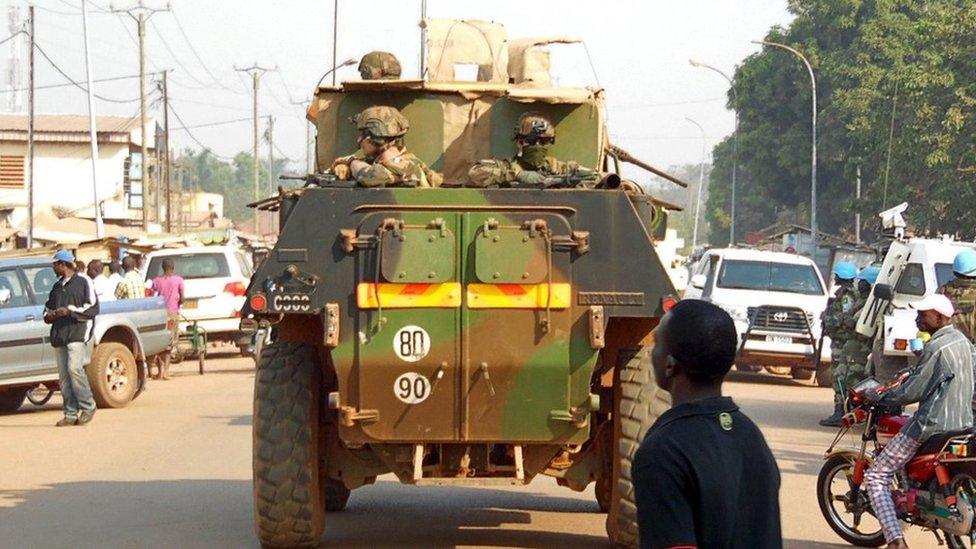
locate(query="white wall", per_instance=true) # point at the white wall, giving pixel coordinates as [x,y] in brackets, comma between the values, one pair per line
[62,177]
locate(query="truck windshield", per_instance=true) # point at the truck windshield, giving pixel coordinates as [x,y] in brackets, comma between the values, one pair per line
[767,276]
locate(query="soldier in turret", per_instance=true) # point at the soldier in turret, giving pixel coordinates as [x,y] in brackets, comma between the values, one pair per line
[382,159]
[532,164]
[962,292]
[379,65]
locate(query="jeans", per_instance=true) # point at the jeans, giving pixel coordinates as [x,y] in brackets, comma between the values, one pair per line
[76,393]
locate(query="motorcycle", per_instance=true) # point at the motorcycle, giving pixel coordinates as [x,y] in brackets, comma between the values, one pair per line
[936,490]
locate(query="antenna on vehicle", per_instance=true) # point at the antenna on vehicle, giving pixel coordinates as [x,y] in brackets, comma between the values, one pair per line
[423,38]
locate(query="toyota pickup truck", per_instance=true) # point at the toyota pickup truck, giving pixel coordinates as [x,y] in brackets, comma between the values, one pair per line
[126,335]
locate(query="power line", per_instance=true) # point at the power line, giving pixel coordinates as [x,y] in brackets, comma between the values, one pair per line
[196,54]
[221,123]
[184,127]
[79,86]
[48,86]
[11,37]
[173,55]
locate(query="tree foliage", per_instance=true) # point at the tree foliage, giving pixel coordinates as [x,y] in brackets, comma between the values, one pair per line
[876,61]
[233,179]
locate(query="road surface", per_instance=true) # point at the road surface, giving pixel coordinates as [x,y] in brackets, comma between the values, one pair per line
[174,470]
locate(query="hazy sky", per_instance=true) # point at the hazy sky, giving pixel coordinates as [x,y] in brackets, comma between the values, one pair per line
[640,50]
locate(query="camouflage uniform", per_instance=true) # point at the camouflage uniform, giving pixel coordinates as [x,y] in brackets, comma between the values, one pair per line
[379,65]
[962,293]
[853,362]
[532,163]
[837,324]
[385,126]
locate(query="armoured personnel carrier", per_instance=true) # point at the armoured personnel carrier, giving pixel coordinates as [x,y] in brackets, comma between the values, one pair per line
[454,335]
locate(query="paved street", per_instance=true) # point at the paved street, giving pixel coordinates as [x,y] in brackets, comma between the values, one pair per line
[173,470]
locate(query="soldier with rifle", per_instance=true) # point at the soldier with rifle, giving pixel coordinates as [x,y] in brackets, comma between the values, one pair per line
[834,326]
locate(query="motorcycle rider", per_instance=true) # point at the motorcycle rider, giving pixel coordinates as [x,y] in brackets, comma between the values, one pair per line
[942,384]
[833,325]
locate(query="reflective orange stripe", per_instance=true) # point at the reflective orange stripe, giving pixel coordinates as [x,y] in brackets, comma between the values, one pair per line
[400,296]
[518,296]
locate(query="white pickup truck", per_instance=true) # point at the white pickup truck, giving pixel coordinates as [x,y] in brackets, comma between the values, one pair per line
[776,300]
[126,334]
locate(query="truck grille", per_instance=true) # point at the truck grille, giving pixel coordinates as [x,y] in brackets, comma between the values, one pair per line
[780,319]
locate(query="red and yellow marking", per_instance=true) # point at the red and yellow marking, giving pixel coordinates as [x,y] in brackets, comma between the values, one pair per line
[403,296]
[518,296]
[448,294]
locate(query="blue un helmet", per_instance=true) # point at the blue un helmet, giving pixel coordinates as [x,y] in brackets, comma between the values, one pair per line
[845,270]
[63,256]
[869,274]
[965,263]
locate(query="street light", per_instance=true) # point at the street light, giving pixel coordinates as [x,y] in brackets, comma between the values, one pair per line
[813,143]
[346,63]
[701,183]
[735,141]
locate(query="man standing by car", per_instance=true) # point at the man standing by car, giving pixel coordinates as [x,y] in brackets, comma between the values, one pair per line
[103,287]
[703,475]
[833,325]
[170,287]
[132,285]
[70,309]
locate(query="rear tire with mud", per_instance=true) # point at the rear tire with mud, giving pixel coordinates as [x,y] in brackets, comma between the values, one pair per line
[113,375]
[11,399]
[639,404]
[289,500]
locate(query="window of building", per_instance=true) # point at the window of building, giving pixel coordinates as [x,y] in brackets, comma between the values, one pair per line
[11,172]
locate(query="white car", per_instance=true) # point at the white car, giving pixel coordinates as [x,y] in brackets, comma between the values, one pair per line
[776,300]
[912,269]
[215,279]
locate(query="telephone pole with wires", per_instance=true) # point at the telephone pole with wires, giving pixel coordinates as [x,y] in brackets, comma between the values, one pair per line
[270,137]
[141,13]
[256,71]
[30,127]
[167,164]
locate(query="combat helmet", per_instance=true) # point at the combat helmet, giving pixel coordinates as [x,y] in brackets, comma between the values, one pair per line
[379,65]
[532,126]
[380,121]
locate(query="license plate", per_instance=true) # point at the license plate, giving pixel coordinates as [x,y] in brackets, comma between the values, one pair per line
[779,339]
[190,304]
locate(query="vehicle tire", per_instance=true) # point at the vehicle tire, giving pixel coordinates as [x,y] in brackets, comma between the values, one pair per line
[40,394]
[604,492]
[778,370]
[113,375]
[11,399]
[748,368]
[802,374]
[640,403]
[964,487]
[335,495]
[824,379]
[288,494]
[840,465]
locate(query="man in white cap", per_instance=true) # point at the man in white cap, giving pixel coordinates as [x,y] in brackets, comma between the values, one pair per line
[942,384]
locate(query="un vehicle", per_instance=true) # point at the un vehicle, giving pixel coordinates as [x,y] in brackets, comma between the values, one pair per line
[455,336]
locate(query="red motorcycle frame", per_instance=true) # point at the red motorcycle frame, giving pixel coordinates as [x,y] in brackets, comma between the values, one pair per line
[936,490]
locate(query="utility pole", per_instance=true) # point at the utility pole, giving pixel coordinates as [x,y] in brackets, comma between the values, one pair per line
[308,137]
[167,165]
[140,14]
[255,71]
[30,127]
[857,215]
[92,132]
[270,165]
[701,184]
[335,38]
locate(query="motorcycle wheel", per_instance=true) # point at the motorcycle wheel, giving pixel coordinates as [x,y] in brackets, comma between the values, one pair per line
[834,486]
[964,486]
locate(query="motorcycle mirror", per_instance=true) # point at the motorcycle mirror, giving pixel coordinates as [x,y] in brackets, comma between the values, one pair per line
[883,291]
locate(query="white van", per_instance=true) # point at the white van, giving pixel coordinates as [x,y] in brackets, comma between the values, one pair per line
[215,279]
[776,300]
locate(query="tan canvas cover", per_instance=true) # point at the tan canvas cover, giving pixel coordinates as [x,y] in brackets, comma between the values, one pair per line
[452,42]
[528,60]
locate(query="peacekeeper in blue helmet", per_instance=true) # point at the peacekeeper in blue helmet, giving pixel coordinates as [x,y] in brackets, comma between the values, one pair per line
[962,292]
[835,325]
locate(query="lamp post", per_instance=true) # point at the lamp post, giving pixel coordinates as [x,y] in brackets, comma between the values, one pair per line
[346,63]
[813,143]
[735,140]
[701,183]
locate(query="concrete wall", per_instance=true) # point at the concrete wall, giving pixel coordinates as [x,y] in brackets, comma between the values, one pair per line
[62,177]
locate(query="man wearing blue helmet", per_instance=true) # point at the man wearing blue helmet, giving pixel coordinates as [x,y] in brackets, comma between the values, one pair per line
[853,366]
[70,309]
[834,326]
[962,292]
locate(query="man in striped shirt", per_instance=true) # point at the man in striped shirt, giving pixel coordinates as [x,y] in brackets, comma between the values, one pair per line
[942,384]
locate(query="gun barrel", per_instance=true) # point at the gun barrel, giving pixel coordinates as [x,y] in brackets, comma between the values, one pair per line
[630,159]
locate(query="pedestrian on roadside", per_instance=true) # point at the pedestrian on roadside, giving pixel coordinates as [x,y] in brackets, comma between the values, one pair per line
[132,286]
[115,274]
[703,475]
[103,286]
[70,309]
[170,287]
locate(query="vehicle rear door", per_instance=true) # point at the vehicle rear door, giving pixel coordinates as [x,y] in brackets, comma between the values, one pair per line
[22,329]
[210,291]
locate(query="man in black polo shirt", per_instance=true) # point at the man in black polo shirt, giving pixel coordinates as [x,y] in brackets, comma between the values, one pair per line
[70,309]
[703,476]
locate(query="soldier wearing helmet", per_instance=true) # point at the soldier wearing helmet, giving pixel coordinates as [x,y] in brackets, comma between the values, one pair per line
[962,292]
[382,158]
[837,325]
[534,134]
[379,65]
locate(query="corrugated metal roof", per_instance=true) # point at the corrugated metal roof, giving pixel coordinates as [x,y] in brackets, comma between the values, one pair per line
[68,127]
